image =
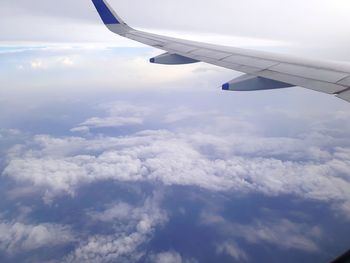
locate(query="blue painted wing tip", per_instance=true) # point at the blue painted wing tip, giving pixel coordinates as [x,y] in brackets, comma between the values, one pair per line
[105,13]
[226,86]
[152,60]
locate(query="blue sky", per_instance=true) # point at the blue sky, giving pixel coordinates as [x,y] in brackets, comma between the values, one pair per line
[107,158]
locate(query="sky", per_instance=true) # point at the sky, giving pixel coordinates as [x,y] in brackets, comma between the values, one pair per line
[105,157]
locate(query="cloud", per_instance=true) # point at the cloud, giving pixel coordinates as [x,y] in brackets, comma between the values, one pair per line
[225,154]
[67,61]
[52,62]
[87,66]
[119,114]
[124,108]
[167,257]
[230,248]
[270,166]
[82,129]
[16,236]
[7,138]
[6,133]
[182,113]
[108,249]
[285,234]
[281,233]
[112,122]
[92,66]
[119,211]
[37,64]
[135,226]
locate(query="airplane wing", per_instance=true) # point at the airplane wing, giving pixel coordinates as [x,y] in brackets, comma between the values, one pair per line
[345,258]
[263,70]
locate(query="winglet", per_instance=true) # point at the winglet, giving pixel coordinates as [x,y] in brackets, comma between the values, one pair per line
[107,14]
[110,18]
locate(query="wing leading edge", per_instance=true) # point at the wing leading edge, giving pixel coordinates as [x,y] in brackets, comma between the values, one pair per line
[263,69]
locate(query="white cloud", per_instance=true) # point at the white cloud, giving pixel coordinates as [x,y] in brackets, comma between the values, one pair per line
[119,211]
[136,226]
[49,60]
[67,61]
[142,217]
[106,67]
[183,113]
[271,166]
[285,234]
[281,233]
[124,108]
[314,164]
[108,249]
[82,129]
[230,248]
[37,64]
[15,236]
[119,114]
[167,257]
[111,122]
[8,133]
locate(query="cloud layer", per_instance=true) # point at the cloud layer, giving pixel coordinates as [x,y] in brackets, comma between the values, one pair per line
[134,227]
[281,233]
[16,236]
[215,152]
[313,166]
[119,114]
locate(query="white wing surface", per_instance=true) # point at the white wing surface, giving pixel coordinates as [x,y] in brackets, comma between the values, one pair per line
[264,70]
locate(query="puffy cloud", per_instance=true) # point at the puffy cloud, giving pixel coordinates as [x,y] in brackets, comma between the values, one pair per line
[16,236]
[281,233]
[271,166]
[313,165]
[108,249]
[143,217]
[124,245]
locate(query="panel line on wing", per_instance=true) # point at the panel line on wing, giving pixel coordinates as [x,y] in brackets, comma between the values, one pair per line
[344,90]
